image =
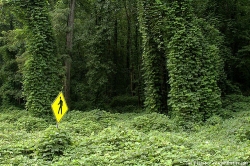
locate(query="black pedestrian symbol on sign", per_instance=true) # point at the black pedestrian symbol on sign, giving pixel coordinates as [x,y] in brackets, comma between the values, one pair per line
[60,107]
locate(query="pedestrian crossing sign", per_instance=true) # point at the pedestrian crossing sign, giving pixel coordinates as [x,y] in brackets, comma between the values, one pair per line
[59,107]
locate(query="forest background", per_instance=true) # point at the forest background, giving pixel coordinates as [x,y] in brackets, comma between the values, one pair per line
[179,58]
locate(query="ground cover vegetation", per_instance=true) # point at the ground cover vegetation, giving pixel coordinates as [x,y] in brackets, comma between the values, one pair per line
[154,81]
[99,137]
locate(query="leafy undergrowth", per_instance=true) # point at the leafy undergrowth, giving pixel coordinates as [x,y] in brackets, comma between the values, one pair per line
[101,138]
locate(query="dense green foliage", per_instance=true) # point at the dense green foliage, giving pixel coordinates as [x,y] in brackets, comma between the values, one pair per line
[11,78]
[186,60]
[154,66]
[179,47]
[37,75]
[193,65]
[52,144]
[176,57]
[42,68]
[100,138]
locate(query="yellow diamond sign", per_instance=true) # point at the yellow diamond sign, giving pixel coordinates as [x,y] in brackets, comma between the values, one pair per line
[59,107]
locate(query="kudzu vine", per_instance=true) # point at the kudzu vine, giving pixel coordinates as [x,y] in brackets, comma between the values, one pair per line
[42,68]
[193,64]
[191,60]
[154,66]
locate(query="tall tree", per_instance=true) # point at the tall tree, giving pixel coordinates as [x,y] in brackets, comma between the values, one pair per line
[154,61]
[69,45]
[193,66]
[42,68]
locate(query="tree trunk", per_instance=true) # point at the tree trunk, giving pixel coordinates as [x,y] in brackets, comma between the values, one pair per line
[128,45]
[69,45]
[137,46]
[115,55]
[164,86]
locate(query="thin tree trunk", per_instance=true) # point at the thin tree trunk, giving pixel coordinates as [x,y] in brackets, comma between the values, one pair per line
[115,55]
[129,67]
[137,46]
[164,86]
[69,45]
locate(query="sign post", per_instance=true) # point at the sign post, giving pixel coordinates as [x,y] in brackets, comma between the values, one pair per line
[59,107]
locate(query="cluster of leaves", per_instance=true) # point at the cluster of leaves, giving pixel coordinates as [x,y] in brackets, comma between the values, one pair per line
[53,143]
[31,123]
[152,122]
[124,103]
[88,123]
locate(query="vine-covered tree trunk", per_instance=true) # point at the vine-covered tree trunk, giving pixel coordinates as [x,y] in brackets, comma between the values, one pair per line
[193,63]
[42,68]
[150,20]
[69,44]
